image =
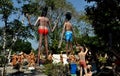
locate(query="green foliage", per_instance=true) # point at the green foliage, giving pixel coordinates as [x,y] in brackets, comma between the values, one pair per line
[102,59]
[3,60]
[30,8]
[105,21]
[84,17]
[6,8]
[56,69]
[56,4]
[15,30]
[22,45]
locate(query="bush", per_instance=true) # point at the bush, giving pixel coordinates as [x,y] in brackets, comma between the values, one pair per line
[3,61]
[56,69]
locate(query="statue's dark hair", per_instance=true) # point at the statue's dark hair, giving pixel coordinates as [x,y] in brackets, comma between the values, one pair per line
[44,11]
[68,15]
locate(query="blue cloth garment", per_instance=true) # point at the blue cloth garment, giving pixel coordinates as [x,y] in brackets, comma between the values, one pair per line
[68,36]
[73,68]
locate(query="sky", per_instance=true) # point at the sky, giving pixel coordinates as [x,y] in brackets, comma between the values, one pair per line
[79,5]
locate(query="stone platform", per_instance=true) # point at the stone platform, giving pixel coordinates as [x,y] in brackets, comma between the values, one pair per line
[23,72]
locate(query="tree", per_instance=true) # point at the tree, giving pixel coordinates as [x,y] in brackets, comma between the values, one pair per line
[15,29]
[5,9]
[106,20]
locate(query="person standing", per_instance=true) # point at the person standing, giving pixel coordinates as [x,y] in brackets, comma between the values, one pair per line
[43,24]
[68,30]
[82,60]
[73,64]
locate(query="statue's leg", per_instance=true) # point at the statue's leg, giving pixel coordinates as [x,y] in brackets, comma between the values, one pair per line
[71,46]
[39,48]
[46,45]
[67,48]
